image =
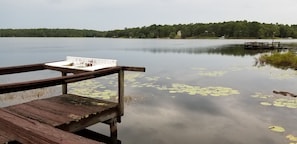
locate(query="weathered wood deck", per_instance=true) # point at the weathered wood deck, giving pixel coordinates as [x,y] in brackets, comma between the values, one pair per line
[38,121]
[14,127]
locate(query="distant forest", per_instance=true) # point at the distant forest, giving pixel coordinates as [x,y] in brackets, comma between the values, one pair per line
[231,29]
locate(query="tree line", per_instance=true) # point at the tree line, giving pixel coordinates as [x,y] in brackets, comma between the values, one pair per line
[231,29]
[43,32]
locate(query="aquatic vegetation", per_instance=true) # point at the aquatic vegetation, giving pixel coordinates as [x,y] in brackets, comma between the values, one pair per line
[203,91]
[199,68]
[261,95]
[152,78]
[212,73]
[91,88]
[292,138]
[285,102]
[266,103]
[205,72]
[106,94]
[279,60]
[131,77]
[95,89]
[277,129]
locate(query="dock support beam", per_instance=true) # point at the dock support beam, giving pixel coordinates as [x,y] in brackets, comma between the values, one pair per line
[113,131]
[64,86]
[121,94]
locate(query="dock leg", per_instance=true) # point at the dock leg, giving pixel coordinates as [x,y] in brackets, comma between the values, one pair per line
[113,130]
[64,86]
[120,94]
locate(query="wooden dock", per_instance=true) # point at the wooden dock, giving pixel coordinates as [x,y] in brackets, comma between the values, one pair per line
[62,118]
[263,45]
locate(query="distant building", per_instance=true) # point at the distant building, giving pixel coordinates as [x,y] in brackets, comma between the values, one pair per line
[178,34]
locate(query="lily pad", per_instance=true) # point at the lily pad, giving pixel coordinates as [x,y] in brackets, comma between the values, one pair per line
[266,103]
[284,102]
[292,138]
[152,78]
[261,95]
[91,88]
[212,73]
[278,104]
[291,106]
[277,129]
[197,90]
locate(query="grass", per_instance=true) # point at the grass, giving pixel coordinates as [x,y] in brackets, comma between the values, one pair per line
[280,60]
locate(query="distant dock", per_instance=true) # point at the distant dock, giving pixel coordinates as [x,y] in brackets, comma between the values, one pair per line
[263,45]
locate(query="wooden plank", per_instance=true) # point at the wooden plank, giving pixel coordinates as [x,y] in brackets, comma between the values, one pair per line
[19,69]
[30,131]
[51,113]
[20,86]
[136,69]
[95,113]
[81,103]
[5,137]
[37,114]
[90,120]
[67,112]
[62,109]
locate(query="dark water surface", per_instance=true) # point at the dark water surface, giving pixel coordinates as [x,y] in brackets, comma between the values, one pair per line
[194,91]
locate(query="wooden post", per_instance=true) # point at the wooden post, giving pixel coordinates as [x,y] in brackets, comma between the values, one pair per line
[113,130]
[120,94]
[64,86]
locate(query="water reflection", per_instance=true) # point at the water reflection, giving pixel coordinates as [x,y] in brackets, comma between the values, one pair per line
[183,121]
[232,50]
[157,116]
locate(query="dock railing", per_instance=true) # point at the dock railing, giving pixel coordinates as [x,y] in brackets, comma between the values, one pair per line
[64,79]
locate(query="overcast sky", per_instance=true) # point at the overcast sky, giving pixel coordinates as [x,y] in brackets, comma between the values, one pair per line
[120,14]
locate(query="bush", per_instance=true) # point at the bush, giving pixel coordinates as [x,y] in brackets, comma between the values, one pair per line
[280,60]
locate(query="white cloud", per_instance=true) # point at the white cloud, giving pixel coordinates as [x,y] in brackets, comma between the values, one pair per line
[111,14]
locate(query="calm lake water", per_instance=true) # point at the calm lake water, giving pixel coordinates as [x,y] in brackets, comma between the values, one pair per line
[193,91]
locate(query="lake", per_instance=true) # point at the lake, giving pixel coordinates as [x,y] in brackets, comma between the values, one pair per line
[193,91]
